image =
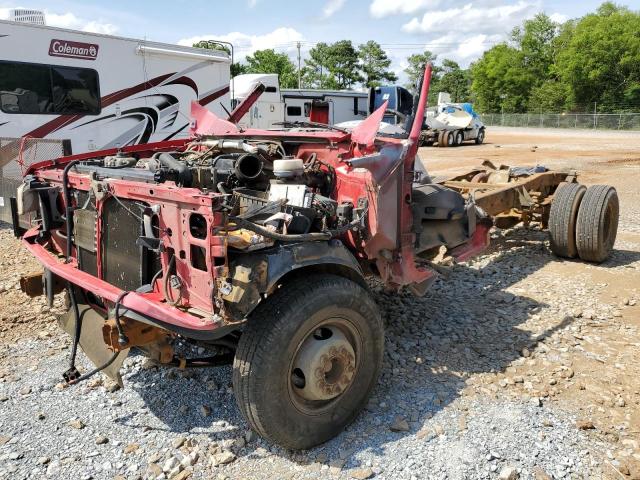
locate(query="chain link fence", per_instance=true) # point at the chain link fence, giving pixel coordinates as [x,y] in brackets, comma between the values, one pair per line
[16,155]
[600,121]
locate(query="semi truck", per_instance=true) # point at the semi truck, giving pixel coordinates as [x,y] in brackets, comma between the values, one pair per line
[451,124]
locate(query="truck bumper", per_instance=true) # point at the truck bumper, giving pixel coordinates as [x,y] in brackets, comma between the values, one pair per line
[150,306]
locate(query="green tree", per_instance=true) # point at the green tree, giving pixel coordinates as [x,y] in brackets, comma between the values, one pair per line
[507,74]
[536,40]
[268,61]
[236,68]
[454,81]
[332,66]
[600,61]
[316,70]
[375,64]
[549,96]
[343,65]
[499,81]
[213,45]
[415,70]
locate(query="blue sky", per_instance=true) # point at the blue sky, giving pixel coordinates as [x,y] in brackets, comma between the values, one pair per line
[460,30]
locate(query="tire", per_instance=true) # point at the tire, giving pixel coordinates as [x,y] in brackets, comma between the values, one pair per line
[459,138]
[282,334]
[441,139]
[480,137]
[448,139]
[597,224]
[562,219]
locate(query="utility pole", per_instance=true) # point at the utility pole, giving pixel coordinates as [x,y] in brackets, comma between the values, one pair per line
[299,67]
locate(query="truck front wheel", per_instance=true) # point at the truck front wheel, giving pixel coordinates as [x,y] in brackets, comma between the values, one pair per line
[308,360]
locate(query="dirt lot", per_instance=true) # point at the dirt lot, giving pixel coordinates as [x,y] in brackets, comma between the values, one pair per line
[517,360]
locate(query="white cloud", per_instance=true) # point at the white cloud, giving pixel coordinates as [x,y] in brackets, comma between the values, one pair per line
[475,17]
[384,8]
[282,39]
[71,21]
[332,7]
[559,17]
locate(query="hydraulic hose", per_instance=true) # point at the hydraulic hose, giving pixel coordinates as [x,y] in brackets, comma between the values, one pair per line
[78,325]
[122,337]
[96,370]
[68,208]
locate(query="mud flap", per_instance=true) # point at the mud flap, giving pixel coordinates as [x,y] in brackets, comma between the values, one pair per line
[92,342]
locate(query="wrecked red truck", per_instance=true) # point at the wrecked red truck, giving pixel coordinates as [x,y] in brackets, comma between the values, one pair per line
[258,244]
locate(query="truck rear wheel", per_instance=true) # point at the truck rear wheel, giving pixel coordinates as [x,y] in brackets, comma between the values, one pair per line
[562,219]
[446,139]
[597,224]
[459,138]
[308,360]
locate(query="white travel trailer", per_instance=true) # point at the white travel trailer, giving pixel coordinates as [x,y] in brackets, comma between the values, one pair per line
[297,105]
[101,91]
[95,92]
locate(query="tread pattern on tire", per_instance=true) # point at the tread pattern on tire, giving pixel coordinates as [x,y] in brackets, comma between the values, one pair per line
[255,334]
[593,243]
[562,219]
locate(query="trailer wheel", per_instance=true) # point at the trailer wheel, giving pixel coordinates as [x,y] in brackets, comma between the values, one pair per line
[308,359]
[459,138]
[597,224]
[448,139]
[562,219]
[480,137]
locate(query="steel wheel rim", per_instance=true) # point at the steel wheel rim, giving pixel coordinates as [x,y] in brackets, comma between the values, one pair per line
[339,372]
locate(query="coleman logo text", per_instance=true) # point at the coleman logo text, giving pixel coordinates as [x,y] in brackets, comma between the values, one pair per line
[65,48]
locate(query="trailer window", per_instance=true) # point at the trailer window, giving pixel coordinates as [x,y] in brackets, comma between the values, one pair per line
[294,111]
[307,109]
[27,88]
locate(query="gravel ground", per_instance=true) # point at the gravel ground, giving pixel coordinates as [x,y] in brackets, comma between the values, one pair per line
[440,411]
[517,365]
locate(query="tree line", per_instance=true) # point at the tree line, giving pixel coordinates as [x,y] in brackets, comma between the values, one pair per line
[585,64]
[338,65]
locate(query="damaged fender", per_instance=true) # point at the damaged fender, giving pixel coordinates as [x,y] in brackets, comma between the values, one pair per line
[257,274]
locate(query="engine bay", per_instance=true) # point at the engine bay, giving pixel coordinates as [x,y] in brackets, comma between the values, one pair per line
[267,194]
